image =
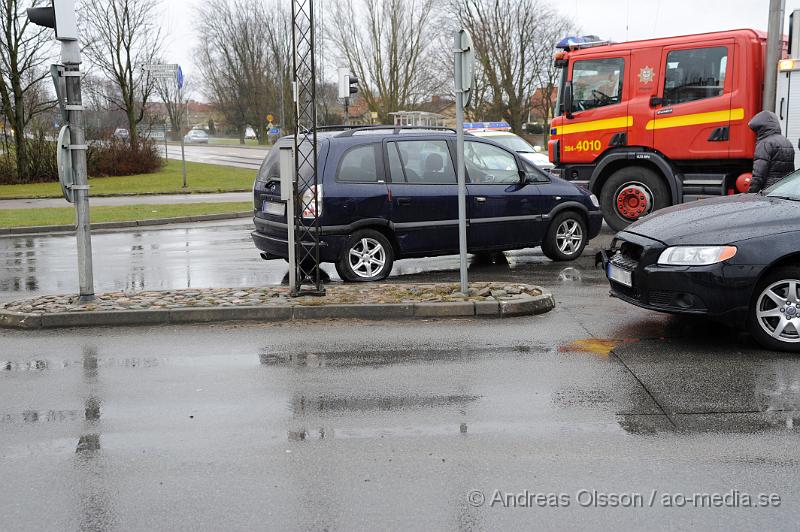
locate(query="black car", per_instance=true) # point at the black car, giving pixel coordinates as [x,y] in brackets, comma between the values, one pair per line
[735,259]
[388,193]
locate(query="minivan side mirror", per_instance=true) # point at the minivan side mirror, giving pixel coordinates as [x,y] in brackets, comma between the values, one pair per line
[568,99]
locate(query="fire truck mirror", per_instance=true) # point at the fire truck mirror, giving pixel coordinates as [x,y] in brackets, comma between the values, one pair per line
[655,101]
[568,99]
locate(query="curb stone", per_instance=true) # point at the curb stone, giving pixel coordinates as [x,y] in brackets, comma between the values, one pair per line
[522,305]
[49,229]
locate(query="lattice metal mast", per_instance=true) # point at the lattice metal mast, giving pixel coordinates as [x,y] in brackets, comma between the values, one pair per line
[307,189]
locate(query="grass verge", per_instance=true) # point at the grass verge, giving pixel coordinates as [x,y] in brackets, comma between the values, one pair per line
[66,215]
[200,178]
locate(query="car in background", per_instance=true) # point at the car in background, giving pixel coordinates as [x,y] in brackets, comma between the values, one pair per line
[122,134]
[392,193]
[735,259]
[196,136]
[519,145]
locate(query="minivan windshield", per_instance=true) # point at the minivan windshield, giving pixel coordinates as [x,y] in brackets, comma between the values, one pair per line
[786,188]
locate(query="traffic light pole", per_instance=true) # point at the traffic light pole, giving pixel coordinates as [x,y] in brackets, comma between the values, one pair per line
[71,57]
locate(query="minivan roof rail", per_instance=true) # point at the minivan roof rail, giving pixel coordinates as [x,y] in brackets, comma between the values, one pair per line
[395,129]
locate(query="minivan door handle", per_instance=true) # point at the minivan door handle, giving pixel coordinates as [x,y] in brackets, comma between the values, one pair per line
[403,201]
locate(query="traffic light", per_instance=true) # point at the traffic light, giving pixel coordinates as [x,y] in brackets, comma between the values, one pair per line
[59,16]
[347,83]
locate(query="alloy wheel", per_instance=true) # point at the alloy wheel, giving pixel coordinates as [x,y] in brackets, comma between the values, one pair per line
[367,258]
[569,237]
[778,310]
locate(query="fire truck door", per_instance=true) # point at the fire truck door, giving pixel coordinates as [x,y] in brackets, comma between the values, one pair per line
[600,117]
[693,116]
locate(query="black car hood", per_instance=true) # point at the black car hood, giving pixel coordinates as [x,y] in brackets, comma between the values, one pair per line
[722,220]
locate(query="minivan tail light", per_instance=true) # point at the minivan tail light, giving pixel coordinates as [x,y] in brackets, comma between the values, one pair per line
[312,209]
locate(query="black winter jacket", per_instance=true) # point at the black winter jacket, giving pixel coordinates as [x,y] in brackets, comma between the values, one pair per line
[774,157]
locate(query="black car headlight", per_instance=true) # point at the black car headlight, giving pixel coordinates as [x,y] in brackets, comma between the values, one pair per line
[696,255]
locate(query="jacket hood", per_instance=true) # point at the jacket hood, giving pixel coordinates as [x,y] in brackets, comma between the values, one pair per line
[764,124]
[720,221]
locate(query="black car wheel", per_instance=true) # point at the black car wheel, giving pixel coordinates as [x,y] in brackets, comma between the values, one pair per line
[566,237]
[368,256]
[631,193]
[775,311]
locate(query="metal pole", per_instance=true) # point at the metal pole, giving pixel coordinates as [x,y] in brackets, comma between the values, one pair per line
[166,153]
[183,144]
[774,41]
[71,57]
[346,111]
[462,185]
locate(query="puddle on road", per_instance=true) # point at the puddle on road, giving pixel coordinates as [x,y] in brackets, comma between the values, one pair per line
[302,405]
[374,358]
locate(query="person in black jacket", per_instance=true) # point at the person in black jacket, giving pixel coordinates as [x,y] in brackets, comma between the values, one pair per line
[774,157]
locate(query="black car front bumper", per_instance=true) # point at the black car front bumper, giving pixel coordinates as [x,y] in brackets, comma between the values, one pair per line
[720,291]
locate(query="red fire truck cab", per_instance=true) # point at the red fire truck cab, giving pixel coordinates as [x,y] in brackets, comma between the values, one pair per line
[658,122]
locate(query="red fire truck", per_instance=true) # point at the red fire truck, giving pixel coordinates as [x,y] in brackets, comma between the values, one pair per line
[658,122]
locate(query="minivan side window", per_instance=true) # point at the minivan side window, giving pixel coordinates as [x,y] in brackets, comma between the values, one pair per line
[489,164]
[695,74]
[359,165]
[426,162]
[597,82]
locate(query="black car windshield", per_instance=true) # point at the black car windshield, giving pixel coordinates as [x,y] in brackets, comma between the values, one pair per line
[787,188]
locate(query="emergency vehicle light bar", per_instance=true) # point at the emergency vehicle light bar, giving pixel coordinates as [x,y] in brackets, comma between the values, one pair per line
[577,43]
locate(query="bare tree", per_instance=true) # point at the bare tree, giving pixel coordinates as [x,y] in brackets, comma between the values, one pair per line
[23,53]
[120,37]
[386,44]
[244,60]
[514,44]
[175,103]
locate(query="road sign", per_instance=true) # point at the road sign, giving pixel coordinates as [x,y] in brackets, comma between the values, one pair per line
[270,118]
[275,131]
[180,77]
[466,55]
[64,161]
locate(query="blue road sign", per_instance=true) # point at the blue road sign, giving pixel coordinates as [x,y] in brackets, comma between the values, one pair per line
[275,131]
[180,77]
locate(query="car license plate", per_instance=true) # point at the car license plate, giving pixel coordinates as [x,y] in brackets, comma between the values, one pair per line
[615,273]
[273,208]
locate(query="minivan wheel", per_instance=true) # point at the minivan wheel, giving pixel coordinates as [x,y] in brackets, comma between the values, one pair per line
[774,314]
[368,256]
[566,237]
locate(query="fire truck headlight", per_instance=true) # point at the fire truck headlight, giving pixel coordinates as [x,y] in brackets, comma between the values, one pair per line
[594,201]
[696,255]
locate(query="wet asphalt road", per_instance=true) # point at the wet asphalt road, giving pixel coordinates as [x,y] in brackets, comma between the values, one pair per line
[359,425]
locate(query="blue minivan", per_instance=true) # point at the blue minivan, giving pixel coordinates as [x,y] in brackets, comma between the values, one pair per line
[388,193]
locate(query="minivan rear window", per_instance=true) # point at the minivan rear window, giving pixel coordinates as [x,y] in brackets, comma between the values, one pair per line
[359,165]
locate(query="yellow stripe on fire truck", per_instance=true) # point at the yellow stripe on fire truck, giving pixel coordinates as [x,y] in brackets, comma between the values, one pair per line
[595,125]
[696,119]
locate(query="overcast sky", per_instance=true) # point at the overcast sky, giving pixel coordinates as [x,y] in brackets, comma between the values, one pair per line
[617,20]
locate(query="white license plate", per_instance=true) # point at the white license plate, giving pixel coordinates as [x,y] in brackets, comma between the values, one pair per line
[273,208]
[615,273]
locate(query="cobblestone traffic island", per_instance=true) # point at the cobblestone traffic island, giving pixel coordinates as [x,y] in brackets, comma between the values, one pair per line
[354,301]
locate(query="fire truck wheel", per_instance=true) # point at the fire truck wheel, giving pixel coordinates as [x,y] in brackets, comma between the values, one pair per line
[631,193]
